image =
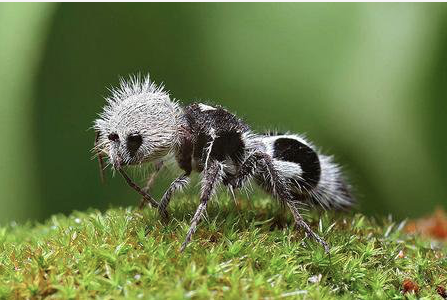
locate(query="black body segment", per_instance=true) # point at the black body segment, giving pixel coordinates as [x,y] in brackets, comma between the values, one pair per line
[217,118]
[184,154]
[218,129]
[228,144]
[292,150]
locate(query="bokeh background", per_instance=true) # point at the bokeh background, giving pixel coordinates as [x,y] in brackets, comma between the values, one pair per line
[366,82]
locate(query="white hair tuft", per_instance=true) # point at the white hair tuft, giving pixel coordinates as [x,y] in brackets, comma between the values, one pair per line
[139,106]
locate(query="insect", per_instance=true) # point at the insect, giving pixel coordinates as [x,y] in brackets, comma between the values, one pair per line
[141,124]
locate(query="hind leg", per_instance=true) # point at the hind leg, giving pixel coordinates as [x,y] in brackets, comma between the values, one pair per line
[271,179]
[300,223]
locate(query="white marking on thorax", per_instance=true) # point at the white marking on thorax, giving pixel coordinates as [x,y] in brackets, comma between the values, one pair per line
[204,107]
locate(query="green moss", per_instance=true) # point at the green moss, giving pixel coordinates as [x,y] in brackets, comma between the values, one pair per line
[248,250]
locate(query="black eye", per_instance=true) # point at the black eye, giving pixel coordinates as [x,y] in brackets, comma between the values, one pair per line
[113,137]
[134,142]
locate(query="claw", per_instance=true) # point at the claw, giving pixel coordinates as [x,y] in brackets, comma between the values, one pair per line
[315,236]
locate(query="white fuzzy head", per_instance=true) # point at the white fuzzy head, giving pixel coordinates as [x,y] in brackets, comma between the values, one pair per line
[140,123]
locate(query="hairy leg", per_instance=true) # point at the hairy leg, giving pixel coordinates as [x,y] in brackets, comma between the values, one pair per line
[133,185]
[178,184]
[150,181]
[276,183]
[302,224]
[211,178]
[246,171]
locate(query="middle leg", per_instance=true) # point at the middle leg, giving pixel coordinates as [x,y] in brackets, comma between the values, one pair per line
[178,184]
[211,178]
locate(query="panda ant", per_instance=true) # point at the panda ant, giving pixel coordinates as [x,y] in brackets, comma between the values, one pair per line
[140,124]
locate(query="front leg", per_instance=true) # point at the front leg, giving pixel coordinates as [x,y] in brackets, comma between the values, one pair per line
[158,167]
[211,178]
[133,185]
[178,184]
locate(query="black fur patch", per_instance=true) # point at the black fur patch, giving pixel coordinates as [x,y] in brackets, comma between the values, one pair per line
[227,128]
[184,156]
[291,150]
[228,144]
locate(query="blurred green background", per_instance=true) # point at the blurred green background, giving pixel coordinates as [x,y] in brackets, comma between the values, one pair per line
[366,82]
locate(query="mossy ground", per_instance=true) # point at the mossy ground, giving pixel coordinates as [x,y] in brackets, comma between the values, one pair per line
[241,251]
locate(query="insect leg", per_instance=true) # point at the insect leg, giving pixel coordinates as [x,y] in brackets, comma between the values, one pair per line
[211,178]
[300,223]
[246,170]
[158,167]
[133,185]
[150,181]
[280,190]
[178,184]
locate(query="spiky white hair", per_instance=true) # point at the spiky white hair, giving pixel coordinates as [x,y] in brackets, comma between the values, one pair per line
[140,106]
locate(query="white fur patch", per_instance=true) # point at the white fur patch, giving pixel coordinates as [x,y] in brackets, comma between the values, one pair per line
[288,169]
[204,107]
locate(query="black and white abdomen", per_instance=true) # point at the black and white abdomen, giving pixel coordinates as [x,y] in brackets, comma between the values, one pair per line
[311,176]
